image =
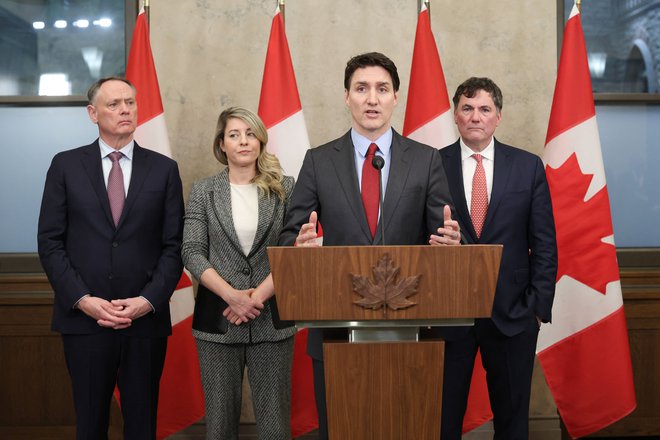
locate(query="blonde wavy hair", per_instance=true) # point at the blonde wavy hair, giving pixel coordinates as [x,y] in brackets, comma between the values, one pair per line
[269,171]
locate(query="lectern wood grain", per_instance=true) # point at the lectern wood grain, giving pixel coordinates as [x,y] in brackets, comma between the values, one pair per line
[384,390]
[314,284]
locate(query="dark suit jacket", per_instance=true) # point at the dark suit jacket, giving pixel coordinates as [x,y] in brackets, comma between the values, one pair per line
[520,218]
[82,252]
[416,193]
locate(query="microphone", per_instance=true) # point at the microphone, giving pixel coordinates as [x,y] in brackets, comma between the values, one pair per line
[378,163]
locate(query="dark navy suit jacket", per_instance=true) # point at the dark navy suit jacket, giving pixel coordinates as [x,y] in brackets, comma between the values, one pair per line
[83,252]
[520,218]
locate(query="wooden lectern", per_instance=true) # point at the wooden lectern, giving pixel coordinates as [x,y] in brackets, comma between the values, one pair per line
[383,382]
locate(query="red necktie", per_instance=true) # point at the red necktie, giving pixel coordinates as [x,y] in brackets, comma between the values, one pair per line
[479,204]
[116,194]
[370,189]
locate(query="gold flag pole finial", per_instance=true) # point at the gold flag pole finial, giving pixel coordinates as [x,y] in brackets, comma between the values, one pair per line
[428,7]
[281,4]
[578,4]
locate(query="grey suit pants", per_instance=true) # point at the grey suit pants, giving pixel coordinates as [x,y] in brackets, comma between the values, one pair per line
[269,373]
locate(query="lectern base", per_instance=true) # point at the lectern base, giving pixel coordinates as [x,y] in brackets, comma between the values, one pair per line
[384,390]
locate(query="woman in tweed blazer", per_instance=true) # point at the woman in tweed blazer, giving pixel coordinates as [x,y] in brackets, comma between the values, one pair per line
[230,220]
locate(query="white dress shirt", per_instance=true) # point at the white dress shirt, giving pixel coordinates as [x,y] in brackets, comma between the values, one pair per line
[125,163]
[245,213]
[470,165]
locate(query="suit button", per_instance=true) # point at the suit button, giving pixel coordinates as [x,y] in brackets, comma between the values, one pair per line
[246,271]
[110,276]
[115,244]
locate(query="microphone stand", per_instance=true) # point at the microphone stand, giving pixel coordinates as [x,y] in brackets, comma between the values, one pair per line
[378,163]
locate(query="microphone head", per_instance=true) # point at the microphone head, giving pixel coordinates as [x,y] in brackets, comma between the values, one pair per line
[378,162]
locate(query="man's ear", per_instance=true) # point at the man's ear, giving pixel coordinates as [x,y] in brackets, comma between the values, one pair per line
[91,112]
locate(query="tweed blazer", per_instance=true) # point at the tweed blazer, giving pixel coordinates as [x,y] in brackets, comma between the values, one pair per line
[210,241]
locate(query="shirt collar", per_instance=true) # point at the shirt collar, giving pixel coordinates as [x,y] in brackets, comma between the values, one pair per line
[361,143]
[487,153]
[126,150]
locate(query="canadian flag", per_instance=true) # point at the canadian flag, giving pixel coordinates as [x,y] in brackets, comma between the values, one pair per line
[181,400]
[281,111]
[429,121]
[428,113]
[584,352]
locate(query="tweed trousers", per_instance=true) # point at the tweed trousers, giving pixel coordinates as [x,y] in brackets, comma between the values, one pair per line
[269,374]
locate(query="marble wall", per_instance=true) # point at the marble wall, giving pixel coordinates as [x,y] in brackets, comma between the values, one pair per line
[210,54]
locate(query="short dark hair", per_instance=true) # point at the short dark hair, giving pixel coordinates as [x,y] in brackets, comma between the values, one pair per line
[471,86]
[368,60]
[94,88]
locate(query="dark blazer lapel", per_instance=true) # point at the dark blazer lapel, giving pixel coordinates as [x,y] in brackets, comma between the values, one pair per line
[454,171]
[344,163]
[501,173]
[91,160]
[399,169]
[221,200]
[139,172]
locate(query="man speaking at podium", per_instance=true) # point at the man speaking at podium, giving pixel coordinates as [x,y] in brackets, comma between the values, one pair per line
[338,186]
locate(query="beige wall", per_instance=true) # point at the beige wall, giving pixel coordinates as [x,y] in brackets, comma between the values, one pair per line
[210,54]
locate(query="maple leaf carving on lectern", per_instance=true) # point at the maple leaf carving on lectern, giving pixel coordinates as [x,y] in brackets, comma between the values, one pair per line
[385,290]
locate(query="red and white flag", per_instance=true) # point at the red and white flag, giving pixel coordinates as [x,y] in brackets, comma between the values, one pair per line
[281,111]
[428,113]
[279,104]
[429,120]
[181,401]
[584,352]
[478,409]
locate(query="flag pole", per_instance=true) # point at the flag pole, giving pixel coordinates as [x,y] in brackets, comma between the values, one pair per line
[578,4]
[281,3]
[147,11]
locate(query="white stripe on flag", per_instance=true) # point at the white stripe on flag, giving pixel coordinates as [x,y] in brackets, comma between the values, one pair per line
[438,132]
[153,135]
[583,140]
[289,142]
[182,304]
[576,307]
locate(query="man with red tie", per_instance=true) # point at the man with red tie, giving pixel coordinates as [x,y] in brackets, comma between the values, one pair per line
[338,186]
[501,196]
[110,232]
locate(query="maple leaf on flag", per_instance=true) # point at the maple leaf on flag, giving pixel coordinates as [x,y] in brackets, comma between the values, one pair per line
[385,290]
[582,253]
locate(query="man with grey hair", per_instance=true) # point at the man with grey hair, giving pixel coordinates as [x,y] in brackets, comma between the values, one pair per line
[109,240]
